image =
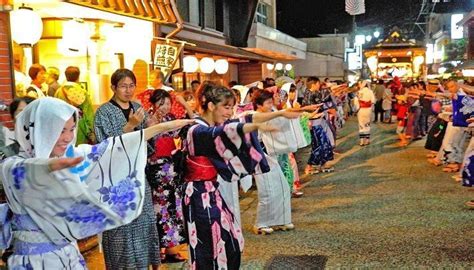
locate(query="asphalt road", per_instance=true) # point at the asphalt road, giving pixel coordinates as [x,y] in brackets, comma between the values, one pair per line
[383,207]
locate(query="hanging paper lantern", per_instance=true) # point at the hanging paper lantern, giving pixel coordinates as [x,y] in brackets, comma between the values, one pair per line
[288,67]
[76,35]
[207,65]
[222,66]
[27,26]
[270,66]
[279,66]
[190,64]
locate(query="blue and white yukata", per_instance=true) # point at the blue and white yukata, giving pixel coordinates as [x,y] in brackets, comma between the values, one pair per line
[47,212]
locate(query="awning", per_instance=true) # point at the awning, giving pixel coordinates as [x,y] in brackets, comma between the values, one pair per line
[273,54]
[6,5]
[224,50]
[158,11]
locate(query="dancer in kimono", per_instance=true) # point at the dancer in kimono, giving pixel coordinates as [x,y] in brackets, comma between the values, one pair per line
[135,245]
[58,193]
[321,146]
[366,100]
[217,147]
[165,181]
[292,102]
[274,201]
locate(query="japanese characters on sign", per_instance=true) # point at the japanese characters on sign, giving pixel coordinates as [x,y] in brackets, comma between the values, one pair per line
[166,53]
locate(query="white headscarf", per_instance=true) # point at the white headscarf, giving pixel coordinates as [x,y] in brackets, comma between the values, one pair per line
[286,87]
[40,124]
[243,90]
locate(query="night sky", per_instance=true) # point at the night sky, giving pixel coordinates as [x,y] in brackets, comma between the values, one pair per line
[308,18]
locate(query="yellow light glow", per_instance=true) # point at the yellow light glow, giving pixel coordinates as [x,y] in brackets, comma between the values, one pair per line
[372,62]
[190,64]
[207,65]
[27,26]
[76,34]
[222,66]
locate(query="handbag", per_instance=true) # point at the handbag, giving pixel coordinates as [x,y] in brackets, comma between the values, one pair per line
[304,122]
[298,130]
[282,141]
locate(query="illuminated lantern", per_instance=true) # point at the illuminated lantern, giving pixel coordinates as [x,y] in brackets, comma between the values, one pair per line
[190,64]
[372,63]
[27,26]
[222,66]
[279,66]
[207,65]
[76,35]
[288,67]
[270,66]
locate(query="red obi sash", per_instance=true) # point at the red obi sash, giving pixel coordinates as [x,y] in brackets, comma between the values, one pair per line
[199,168]
[365,104]
[164,147]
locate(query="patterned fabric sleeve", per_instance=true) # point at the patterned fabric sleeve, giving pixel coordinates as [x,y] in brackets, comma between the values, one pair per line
[99,194]
[230,150]
[102,125]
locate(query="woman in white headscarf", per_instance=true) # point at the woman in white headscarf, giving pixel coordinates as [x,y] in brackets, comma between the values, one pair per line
[366,100]
[58,193]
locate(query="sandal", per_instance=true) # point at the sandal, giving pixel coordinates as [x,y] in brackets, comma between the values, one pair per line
[451,169]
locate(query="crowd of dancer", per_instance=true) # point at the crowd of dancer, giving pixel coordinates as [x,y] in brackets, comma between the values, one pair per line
[440,111]
[157,169]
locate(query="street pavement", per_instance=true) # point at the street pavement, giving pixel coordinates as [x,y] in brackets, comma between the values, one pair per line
[383,207]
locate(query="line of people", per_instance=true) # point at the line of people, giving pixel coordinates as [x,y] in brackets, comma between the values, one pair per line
[443,112]
[161,172]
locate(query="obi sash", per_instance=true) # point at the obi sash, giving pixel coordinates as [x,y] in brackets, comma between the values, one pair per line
[199,168]
[365,104]
[27,237]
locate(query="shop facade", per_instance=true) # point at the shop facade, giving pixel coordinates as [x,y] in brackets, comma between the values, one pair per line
[94,36]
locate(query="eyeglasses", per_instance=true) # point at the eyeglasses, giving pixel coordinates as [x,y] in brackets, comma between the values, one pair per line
[126,87]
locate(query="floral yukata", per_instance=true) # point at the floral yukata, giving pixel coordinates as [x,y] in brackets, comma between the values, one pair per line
[47,212]
[166,192]
[322,141]
[215,237]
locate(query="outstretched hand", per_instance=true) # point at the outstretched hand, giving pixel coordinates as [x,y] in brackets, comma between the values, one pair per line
[311,108]
[63,163]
